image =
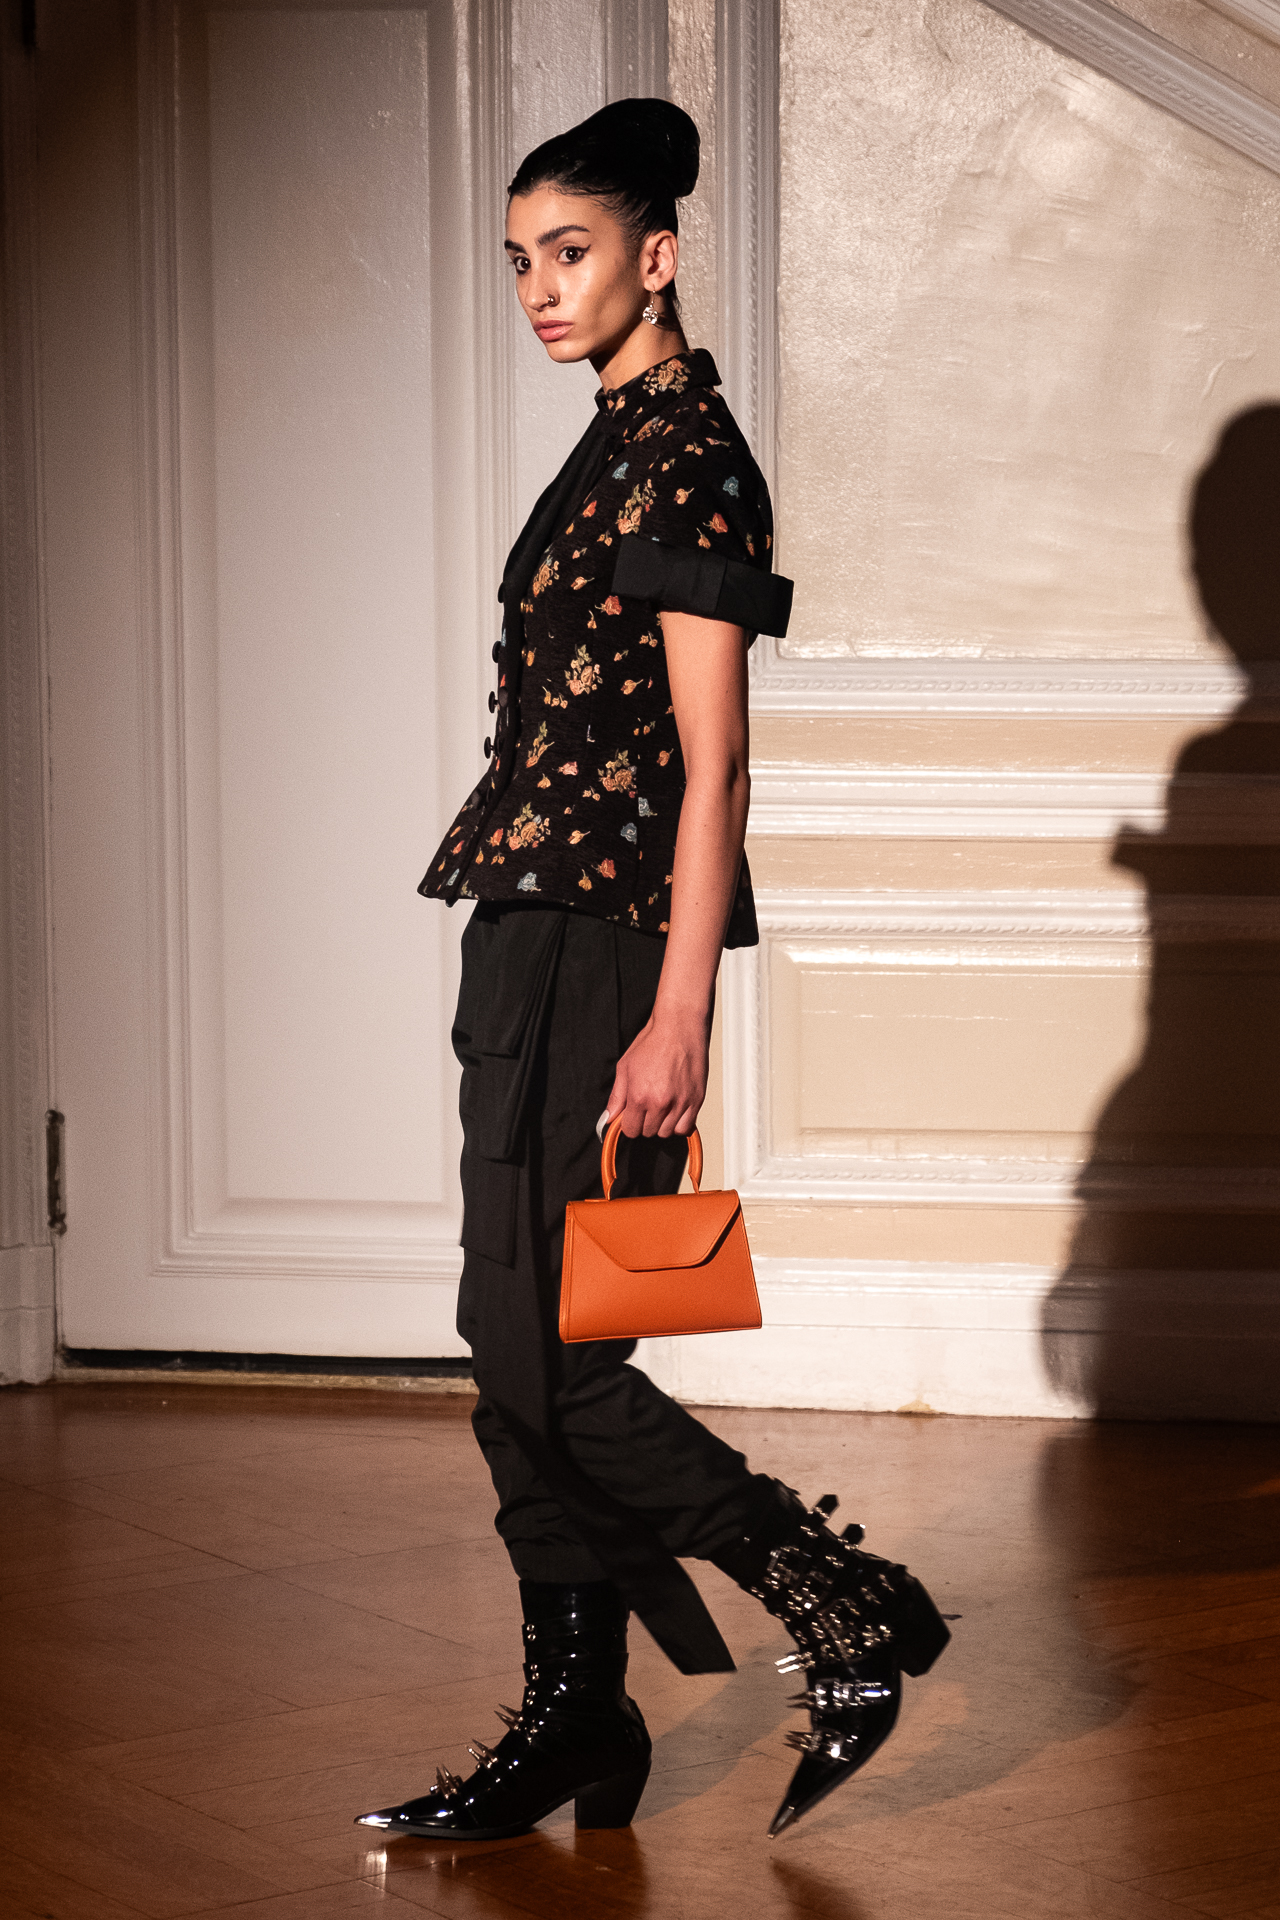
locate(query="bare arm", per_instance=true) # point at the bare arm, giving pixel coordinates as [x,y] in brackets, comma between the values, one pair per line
[661,1079]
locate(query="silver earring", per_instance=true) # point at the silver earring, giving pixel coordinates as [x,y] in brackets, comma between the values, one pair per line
[652,315]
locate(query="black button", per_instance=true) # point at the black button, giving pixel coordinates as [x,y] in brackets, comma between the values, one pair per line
[493,701]
[497,648]
[488,748]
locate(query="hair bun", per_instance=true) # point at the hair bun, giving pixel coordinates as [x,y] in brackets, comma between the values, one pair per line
[646,138]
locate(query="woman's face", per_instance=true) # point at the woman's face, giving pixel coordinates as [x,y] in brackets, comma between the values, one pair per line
[577,274]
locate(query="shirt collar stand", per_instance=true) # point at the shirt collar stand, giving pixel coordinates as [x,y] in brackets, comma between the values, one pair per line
[625,410]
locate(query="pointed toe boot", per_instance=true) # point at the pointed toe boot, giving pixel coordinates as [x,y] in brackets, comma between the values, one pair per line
[859,1623]
[577,1735]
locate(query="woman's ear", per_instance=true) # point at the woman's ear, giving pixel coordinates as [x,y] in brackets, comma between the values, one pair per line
[659,259]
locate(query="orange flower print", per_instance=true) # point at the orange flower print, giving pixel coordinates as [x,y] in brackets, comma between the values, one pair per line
[581,581]
[585,884]
[682,494]
[539,746]
[495,838]
[528,829]
[639,500]
[588,511]
[618,775]
[579,833]
[664,756]
[570,766]
[629,686]
[583,674]
[547,572]
[719,524]
[607,868]
[612,604]
[550,699]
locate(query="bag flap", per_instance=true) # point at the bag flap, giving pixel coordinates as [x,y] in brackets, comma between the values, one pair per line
[658,1230]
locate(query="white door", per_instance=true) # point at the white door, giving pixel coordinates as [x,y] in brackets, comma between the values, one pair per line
[290,423]
[269,643]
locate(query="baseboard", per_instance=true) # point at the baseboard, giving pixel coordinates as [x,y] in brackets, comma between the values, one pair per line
[898,1336]
[27,1332]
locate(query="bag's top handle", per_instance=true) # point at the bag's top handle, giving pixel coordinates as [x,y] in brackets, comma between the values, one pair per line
[609,1157]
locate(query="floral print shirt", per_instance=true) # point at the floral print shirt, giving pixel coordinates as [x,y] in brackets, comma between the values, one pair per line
[588,817]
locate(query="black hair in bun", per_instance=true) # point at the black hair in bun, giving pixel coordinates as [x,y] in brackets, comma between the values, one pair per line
[636,156]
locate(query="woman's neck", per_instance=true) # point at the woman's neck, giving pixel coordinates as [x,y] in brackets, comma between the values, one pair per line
[644,347]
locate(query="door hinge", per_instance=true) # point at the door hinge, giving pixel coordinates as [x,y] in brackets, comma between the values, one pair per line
[54,1164]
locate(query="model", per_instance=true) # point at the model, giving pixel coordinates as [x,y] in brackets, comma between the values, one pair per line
[603,850]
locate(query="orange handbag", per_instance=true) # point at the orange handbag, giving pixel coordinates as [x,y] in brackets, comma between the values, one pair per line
[665,1263]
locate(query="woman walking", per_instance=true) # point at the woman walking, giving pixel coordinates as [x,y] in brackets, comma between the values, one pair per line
[604,851]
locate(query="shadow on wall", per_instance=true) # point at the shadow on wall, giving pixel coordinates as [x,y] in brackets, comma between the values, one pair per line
[1170,1306]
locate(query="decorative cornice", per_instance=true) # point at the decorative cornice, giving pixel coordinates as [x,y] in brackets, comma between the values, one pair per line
[1118,47]
[783,685]
[921,803]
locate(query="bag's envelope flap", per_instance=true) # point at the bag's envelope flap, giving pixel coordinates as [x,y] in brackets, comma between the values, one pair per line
[658,1230]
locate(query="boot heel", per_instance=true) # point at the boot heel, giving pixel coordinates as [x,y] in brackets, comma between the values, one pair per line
[611,1803]
[920,1633]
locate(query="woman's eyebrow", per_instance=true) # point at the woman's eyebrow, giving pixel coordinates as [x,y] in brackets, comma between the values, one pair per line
[545,239]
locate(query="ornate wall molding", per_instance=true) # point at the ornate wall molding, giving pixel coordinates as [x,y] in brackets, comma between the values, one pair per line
[782,684]
[747,33]
[921,803]
[1262,16]
[1118,47]
[635,49]
[947,932]
[26,1256]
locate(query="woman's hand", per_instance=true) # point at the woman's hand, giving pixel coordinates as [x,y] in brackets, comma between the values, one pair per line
[661,1081]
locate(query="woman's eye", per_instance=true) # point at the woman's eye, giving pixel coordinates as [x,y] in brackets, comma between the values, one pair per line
[572,255]
[519,262]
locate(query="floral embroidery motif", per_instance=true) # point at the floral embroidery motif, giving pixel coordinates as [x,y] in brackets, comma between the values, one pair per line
[539,747]
[618,775]
[584,673]
[639,500]
[528,829]
[669,376]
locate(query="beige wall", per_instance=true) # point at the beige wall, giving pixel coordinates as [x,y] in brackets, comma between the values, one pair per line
[1011,1110]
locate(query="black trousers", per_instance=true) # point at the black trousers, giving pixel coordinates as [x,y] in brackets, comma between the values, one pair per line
[589,1458]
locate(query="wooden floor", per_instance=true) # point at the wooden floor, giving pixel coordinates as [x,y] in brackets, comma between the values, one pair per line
[234,1617]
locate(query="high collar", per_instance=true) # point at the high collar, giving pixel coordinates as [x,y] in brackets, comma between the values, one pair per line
[625,410]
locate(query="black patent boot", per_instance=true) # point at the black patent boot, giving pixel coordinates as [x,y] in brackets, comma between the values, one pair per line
[577,1736]
[859,1623]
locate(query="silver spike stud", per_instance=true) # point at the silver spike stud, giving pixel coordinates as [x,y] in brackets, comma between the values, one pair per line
[785,1817]
[792,1663]
[801,1742]
[478,1751]
[446,1782]
[508,1716]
